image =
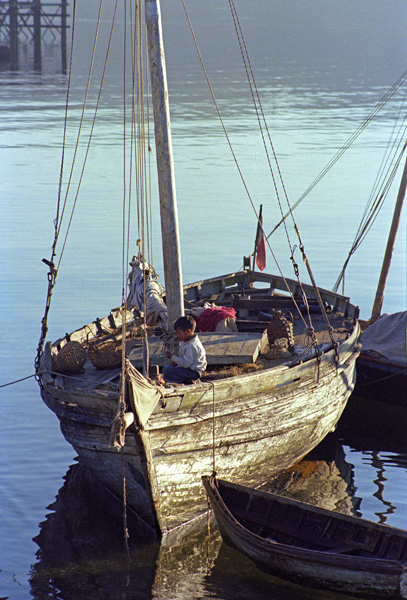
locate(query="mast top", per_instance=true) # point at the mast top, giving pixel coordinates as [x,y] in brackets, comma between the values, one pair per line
[165,163]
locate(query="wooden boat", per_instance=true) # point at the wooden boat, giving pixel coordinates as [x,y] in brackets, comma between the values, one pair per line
[310,545]
[382,365]
[257,409]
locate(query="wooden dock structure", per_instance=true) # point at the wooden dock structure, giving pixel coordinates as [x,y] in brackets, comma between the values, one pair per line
[32,20]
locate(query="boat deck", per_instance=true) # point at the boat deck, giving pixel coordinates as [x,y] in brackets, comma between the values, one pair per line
[227,353]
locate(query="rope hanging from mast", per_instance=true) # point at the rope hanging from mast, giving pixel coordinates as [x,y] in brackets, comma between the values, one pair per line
[52,275]
[382,102]
[384,180]
[278,181]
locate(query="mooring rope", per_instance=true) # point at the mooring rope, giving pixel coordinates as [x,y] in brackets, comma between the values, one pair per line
[386,378]
[18,380]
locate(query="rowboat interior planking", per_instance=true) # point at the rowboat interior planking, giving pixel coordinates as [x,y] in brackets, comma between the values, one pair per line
[310,545]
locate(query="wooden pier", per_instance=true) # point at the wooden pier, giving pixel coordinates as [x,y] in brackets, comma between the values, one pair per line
[34,20]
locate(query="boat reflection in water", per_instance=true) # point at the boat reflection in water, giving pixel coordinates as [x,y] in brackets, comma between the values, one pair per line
[323,478]
[82,550]
[376,433]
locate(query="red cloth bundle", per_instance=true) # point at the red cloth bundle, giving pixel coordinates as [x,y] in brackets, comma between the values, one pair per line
[208,320]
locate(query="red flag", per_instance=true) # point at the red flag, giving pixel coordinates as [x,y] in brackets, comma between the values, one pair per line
[260,249]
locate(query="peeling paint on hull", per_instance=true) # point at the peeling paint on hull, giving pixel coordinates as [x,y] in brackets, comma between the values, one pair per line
[261,423]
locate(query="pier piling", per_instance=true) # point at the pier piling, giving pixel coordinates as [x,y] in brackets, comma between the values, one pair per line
[32,20]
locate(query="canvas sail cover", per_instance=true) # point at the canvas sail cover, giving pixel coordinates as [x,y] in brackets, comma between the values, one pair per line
[387,337]
[143,284]
[143,395]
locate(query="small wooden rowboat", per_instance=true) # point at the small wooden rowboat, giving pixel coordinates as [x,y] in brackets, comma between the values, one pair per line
[310,545]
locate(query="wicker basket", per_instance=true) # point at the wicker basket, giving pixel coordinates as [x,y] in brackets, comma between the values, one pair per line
[280,327]
[70,359]
[105,354]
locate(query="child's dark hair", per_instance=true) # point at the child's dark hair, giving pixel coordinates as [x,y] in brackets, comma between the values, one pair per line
[185,323]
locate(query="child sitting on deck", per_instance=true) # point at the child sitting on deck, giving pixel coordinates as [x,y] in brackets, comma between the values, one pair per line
[190,362]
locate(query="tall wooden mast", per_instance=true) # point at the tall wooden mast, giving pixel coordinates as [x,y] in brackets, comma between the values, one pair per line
[165,163]
[378,301]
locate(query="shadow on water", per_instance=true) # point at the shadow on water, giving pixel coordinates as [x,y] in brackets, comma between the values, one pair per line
[323,478]
[81,543]
[82,551]
[371,425]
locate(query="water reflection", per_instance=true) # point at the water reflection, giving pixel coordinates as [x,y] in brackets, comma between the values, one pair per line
[234,576]
[82,552]
[323,478]
[374,433]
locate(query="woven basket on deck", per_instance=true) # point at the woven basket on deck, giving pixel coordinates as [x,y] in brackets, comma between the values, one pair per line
[70,359]
[280,327]
[105,354]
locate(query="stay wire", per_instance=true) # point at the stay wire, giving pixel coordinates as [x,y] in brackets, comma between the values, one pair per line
[68,89]
[382,102]
[396,140]
[82,118]
[93,123]
[370,220]
[259,111]
[258,107]
[236,161]
[384,180]
[52,274]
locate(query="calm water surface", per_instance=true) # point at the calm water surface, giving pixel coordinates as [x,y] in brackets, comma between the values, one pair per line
[314,101]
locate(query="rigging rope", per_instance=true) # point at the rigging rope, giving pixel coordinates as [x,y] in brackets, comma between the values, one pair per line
[52,274]
[259,109]
[382,102]
[379,193]
[237,164]
[121,404]
[60,214]
[93,120]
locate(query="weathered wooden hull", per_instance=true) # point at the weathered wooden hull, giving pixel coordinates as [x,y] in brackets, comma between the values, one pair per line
[247,427]
[247,518]
[260,423]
